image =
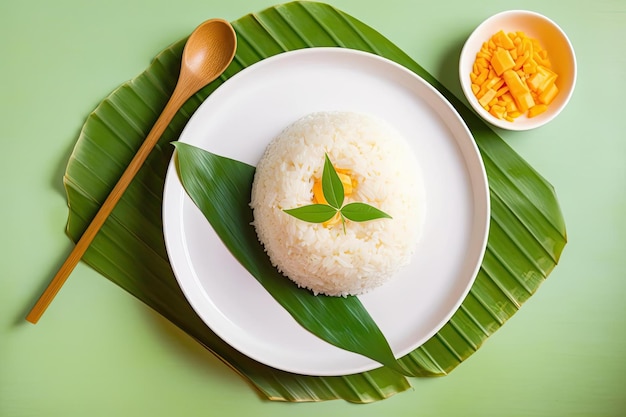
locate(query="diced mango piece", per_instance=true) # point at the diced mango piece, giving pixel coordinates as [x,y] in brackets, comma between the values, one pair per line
[493,83]
[537,109]
[503,41]
[514,82]
[519,90]
[318,193]
[548,95]
[511,106]
[546,84]
[487,97]
[347,183]
[482,77]
[482,62]
[524,101]
[502,89]
[522,57]
[528,46]
[546,70]
[536,80]
[487,85]
[484,54]
[529,67]
[497,111]
[540,60]
[502,61]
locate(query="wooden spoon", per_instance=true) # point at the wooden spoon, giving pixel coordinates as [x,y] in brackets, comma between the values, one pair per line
[207,53]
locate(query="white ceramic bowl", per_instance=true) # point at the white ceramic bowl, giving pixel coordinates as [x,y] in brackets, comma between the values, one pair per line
[552,39]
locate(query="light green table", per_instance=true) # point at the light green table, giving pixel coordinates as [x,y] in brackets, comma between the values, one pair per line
[99,352]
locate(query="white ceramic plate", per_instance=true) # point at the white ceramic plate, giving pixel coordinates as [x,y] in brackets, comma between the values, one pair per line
[238,121]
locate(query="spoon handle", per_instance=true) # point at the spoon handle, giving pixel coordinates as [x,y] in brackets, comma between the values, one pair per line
[177,99]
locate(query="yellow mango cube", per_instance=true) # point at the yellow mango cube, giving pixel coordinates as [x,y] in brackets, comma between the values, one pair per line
[548,95]
[503,41]
[546,84]
[536,80]
[511,106]
[487,97]
[497,111]
[515,83]
[537,109]
[502,61]
[524,101]
[502,90]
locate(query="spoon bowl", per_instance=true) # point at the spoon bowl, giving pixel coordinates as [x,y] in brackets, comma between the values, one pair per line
[208,51]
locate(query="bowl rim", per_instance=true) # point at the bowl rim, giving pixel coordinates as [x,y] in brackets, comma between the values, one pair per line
[466,85]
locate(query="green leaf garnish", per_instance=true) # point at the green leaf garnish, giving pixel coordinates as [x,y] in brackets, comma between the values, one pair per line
[334,193]
[332,186]
[314,213]
[361,212]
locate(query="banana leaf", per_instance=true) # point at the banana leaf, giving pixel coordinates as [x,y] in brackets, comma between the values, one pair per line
[527,230]
[221,188]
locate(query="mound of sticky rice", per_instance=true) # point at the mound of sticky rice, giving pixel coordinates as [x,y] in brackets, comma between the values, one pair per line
[325,258]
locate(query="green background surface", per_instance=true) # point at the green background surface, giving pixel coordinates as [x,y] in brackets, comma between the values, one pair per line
[99,352]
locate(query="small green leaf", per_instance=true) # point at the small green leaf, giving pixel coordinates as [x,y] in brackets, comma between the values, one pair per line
[314,213]
[332,186]
[361,212]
